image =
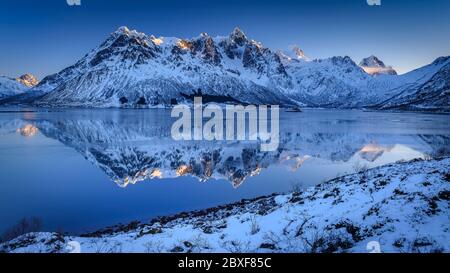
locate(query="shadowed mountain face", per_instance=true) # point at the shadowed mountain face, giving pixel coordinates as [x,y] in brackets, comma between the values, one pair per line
[132,146]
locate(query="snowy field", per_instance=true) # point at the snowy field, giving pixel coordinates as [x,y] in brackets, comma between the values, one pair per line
[403,207]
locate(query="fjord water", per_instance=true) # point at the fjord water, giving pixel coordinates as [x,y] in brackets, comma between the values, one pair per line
[79,169]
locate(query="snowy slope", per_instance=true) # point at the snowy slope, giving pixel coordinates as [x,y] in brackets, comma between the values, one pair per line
[404,207]
[10,87]
[431,95]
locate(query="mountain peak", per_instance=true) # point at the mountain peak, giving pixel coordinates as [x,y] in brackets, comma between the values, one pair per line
[295,53]
[123,30]
[299,53]
[374,66]
[238,36]
[28,80]
[372,61]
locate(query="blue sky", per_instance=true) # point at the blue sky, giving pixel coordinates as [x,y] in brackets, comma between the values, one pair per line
[43,37]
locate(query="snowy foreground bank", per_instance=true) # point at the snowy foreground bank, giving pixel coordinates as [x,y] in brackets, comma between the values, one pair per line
[404,207]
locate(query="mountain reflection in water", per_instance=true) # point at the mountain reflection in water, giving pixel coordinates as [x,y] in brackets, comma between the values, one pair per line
[58,164]
[135,145]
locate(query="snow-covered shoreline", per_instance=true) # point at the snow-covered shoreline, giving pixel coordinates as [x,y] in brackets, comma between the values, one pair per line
[404,207]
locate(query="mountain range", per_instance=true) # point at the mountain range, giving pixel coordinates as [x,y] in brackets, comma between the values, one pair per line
[132,69]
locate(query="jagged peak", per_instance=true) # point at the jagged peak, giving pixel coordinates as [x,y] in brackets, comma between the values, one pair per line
[238,36]
[238,32]
[257,44]
[157,40]
[28,80]
[342,60]
[299,52]
[203,36]
[372,61]
[294,54]
[124,30]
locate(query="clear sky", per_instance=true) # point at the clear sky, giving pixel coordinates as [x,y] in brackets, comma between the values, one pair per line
[43,37]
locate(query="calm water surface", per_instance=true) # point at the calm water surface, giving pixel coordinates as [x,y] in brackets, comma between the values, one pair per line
[79,170]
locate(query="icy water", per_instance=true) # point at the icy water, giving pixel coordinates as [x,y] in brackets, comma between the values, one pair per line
[79,170]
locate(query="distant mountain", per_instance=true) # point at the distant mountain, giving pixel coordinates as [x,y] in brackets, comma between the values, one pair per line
[296,54]
[132,69]
[374,66]
[28,80]
[11,87]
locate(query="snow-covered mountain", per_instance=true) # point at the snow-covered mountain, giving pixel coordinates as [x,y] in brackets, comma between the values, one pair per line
[132,69]
[338,82]
[131,66]
[296,54]
[374,66]
[28,80]
[332,82]
[11,87]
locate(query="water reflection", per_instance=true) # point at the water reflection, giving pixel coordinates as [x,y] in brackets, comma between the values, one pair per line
[28,130]
[132,146]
